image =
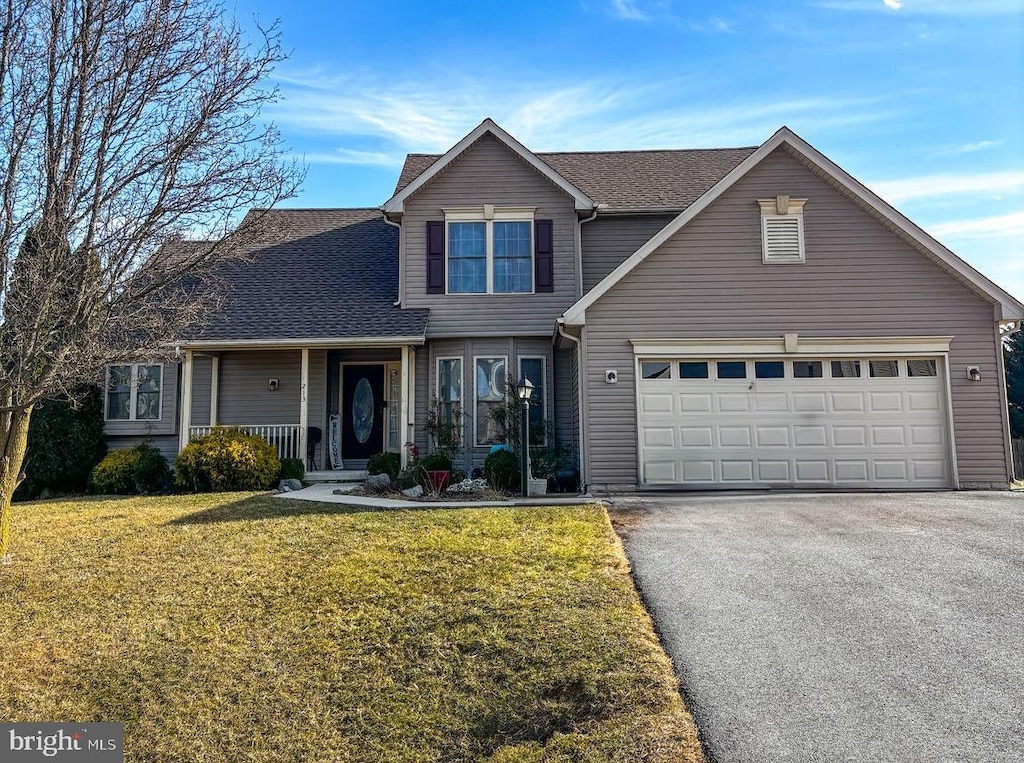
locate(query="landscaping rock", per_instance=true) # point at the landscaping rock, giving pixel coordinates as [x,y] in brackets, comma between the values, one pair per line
[414,492]
[377,483]
[288,486]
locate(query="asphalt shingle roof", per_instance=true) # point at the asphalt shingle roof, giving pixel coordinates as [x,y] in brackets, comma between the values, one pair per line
[627,179]
[329,273]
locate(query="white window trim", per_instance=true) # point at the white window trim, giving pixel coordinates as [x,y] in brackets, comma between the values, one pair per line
[544,384]
[462,386]
[488,214]
[476,400]
[133,389]
[782,207]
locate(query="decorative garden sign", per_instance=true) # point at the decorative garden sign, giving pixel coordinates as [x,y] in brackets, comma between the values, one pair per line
[335,442]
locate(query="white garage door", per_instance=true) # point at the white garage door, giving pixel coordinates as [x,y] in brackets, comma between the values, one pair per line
[856,422]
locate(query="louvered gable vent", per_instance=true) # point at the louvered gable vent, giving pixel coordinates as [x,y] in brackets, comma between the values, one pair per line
[782,229]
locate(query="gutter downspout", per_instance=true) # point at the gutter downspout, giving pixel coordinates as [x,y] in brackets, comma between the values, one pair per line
[579,248]
[579,396]
[401,258]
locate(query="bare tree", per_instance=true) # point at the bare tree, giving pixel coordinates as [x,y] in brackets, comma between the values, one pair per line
[125,126]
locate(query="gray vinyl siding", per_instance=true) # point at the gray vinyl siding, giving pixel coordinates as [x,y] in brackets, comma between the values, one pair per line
[166,444]
[860,279]
[489,173]
[168,423]
[608,241]
[202,378]
[468,349]
[245,395]
[566,409]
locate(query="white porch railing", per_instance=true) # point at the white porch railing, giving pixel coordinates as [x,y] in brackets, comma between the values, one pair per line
[284,437]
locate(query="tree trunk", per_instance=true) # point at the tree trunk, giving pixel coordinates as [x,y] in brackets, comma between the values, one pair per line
[15,440]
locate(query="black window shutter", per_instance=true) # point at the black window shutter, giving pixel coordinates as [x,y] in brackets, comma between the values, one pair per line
[543,257]
[435,258]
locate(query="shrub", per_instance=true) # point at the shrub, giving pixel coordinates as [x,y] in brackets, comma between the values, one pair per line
[227,459]
[292,469]
[142,469]
[502,470]
[435,462]
[384,463]
[65,442]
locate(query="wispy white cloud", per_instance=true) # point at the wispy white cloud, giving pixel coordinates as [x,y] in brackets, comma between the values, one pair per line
[981,145]
[929,7]
[372,123]
[1010,225]
[629,10]
[931,186]
[352,156]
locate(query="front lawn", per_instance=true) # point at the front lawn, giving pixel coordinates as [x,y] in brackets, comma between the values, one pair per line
[235,627]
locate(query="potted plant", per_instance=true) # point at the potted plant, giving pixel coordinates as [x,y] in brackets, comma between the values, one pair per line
[434,472]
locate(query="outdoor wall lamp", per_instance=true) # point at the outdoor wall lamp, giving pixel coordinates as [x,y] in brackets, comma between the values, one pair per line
[524,388]
[974,373]
[273,384]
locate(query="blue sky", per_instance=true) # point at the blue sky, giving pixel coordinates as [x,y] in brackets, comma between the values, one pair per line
[921,99]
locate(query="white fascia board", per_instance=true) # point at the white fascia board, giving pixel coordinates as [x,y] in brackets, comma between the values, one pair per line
[807,346]
[1008,307]
[396,204]
[299,342]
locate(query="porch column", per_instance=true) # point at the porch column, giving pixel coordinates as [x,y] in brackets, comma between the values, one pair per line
[186,399]
[304,404]
[406,412]
[214,388]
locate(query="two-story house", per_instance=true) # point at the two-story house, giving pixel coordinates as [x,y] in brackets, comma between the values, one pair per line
[740,317]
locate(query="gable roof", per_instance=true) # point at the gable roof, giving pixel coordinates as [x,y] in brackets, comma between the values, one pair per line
[488,126]
[329,274]
[668,180]
[1008,307]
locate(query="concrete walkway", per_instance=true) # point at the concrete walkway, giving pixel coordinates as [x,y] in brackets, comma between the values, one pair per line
[324,493]
[869,627]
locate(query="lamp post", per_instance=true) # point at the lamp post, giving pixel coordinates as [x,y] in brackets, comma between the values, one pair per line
[525,388]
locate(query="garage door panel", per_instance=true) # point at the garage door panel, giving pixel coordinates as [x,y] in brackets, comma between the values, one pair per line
[737,471]
[859,431]
[771,402]
[733,403]
[659,437]
[810,436]
[772,437]
[885,435]
[773,471]
[851,436]
[890,470]
[699,471]
[886,402]
[848,402]
[809,402]
[734,437]
[852,471]
[691,403]
[694,437]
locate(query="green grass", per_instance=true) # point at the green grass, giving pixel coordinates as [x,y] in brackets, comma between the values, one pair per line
[238,627]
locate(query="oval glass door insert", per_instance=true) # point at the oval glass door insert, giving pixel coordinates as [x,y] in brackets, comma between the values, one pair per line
[362,411]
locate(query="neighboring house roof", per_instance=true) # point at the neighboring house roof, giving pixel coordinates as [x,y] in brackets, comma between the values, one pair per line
[1008,307]
[330,274]
[669,180]
[487,127]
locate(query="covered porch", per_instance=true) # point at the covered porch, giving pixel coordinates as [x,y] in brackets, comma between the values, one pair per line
[331,405]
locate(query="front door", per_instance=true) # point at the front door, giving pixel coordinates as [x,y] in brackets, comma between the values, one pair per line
[362,410]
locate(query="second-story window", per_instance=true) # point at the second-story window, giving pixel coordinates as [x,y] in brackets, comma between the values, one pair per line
[490,251]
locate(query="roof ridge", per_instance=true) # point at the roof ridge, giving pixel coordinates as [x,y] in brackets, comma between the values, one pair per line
[648,150]
[315,209]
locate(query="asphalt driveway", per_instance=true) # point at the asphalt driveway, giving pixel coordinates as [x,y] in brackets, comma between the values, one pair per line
[840,627]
